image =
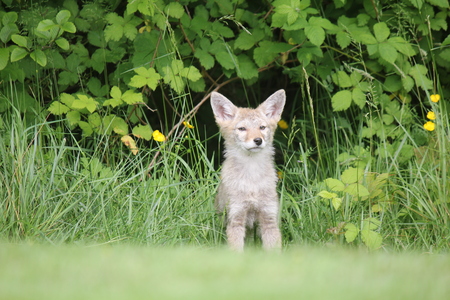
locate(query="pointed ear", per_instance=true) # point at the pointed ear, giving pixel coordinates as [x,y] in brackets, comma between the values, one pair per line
[222,107]
[273,106]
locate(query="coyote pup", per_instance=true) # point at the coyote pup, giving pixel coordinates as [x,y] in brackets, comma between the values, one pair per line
[248,187]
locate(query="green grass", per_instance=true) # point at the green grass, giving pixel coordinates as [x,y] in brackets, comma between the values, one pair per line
[125,272]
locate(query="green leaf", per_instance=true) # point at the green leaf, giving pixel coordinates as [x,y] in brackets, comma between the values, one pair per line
[381,31]
[419,73]
[342,79]
[341,100]
[336,202]
[143,132]
[67,99]
[359,97]
[334,184]
[39,57]
[315,34]
[351,232]
[226,60]
[357,190]
[7,31]
[408,83]
[145,76]
[57,108]
[191,73]
[22,41]
[402,46]
[343,39]
[352,175]
[247,68]
[387,52]
[18,53]
[371,239]
[69,27]
[113,32]
[62,43]
[327,195]
[86,128]
[4,57]
[206,59]
[119,126]
[73,117]
[130,97]
[9,17]
[62,17]
[45,25]
[174,10]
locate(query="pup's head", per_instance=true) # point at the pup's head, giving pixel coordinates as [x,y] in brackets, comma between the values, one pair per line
[249,129]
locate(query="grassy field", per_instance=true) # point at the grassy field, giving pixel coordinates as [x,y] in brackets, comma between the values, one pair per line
[126,272]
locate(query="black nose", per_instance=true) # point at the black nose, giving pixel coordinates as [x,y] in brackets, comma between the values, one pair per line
[258,141]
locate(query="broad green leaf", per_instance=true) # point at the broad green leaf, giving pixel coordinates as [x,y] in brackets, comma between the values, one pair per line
[62,17]
[69,27]
[119,126]
[352,175]
[130,31]
[116,92]
[174,9]
[357,190]
[247,68]
[402,46]
[408,83]
[145,76]
[86,128]
[381,31]
[206,59]
[95,121]
[334,184]
[114,102]
[371,224]
[96,88]
[342,79]
[67,99]
[9,17]
[4,57]
[177,84]
[62,43]
[341,100]
[343,39]
[440,3]
[113,32]
[327,195]
[191,73]
[351,232]
[18,53]
[73,117]
[371,239]
[417,3]
[419,73]
[336,202]
[45,25]
[315,34]
[130,97]
[392,83]
[244,41]
[388,52]
[143,132]
[359,97]
[39,57]
[226,60]
[57,108]
[7,31]
[22,41]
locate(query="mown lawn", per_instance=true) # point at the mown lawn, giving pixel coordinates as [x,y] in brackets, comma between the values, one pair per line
[128,272]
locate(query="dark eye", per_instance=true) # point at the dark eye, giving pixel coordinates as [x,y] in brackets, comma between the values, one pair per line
[241,128]
[262,127]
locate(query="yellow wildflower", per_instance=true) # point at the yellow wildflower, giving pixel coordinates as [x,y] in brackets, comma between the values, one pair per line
[186,124]
[431,115]
[435,98]
[280,174]
[158,136]
[283,124]
[430,126]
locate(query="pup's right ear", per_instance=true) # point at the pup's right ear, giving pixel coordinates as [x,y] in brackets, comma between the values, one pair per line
[222,107]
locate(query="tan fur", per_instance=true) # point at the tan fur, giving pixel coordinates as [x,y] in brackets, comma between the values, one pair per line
[248,188]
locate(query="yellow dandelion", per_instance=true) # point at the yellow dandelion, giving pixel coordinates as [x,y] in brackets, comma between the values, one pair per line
[430,126]
[435,98]
[187,125]
[283,124]
[158,136]
[280,174]
[431,115]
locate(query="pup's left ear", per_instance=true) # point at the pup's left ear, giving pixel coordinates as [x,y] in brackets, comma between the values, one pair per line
[273,106]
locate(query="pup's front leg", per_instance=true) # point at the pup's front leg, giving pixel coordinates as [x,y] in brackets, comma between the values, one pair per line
[236,228]
[270,231]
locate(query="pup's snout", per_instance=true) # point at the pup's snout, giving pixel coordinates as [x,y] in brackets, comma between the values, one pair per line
[258,141]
